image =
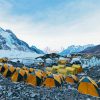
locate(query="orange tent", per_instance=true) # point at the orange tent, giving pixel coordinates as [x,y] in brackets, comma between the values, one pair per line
[52,81]
[9,71]
[19,75]
[34,79]
[71,79]
[88,86]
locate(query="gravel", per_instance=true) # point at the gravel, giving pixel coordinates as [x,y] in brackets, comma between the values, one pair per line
[23,91]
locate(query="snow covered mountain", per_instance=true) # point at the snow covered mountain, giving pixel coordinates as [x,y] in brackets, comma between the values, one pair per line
[75,49]
[38,51]
[92,50]
[9,41]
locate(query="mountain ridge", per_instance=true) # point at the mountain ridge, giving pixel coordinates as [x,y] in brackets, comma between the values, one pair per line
[75,49]
[92,50]
[9,41]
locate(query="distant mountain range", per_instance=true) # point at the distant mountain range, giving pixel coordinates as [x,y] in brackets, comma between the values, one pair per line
[9,41]
[75,49]
[92,50]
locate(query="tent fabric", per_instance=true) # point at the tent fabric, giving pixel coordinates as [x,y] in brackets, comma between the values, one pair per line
[62,62]
[71,70]
[31,70]
[61,77]
[58,67]
[33,79]
[52,81]
[78,68]
[48,73]
[43,73]
[98,83]
[3,68]
[88,86]
[71,79]
[57,78]
[9,72]
[67,71]
[3,60]
[49,69]
[0,68]
[24,68]
[62,71]
[17,68]
[39,74]
[19,75]
[5,65]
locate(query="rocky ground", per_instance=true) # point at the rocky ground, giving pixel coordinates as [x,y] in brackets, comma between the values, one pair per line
[22,91]
[94,73]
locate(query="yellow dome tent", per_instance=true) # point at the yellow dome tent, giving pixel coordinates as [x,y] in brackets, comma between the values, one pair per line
[48,73]
[62,71]
[33,79]
[3,68]
[18,68]
[31,70]
[61,77]
[78,68]
[43,73]
[52,81]
[24,68]
[3,60]
[88,86]
[71,71]
[39,74]
[19,75]
[55,67]
[49,69]
[71,79]
[58,67]
[62,61]
[9,71]
[67,71]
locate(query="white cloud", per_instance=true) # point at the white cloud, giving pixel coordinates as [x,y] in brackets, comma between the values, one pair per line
[79,31]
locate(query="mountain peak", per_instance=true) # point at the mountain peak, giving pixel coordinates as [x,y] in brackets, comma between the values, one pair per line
[8,30]
[9,41]
[75,49]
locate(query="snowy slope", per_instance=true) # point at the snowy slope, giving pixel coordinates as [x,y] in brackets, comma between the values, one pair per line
[75,49]
[18,54]
[38,51]
[9,41]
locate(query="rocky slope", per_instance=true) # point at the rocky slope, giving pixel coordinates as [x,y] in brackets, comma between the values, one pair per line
[92,50]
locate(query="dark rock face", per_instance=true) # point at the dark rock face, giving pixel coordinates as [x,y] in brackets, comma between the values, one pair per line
[92,50]
[3,43]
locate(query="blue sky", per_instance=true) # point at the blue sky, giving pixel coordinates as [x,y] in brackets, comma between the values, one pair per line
[52,23]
